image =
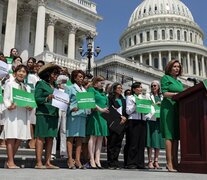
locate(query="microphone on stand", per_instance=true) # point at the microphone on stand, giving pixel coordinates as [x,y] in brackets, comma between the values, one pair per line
[194,80]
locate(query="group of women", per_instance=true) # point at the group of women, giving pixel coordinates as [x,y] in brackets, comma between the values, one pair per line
[141,130]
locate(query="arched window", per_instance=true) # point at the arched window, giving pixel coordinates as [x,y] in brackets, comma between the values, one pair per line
[185,36]
[155,7]
[155,35]
[163,34]
[164,62]
[171,34]
[148,36]
[135,40]
[178,35]
[141,37]
[191,37]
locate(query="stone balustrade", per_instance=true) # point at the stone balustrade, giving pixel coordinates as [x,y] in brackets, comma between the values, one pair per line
[71,64]
[86,4]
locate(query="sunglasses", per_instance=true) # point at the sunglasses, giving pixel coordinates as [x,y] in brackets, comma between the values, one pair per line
[153,85]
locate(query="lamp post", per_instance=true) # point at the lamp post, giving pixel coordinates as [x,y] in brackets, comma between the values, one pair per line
[89,53]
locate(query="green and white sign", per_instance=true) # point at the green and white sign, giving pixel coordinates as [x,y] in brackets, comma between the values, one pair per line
[9,62]
[86,100]
[157,111]
[143,106]
[23,99]
[1,96]
[205,83]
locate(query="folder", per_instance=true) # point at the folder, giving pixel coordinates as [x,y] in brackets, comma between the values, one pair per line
[113,119]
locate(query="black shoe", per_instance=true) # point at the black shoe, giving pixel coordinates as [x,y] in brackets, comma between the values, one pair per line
[141,167]
[111,167]
[131,167]
[99,167]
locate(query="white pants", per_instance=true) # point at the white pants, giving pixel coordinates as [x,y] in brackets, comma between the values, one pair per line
[62,126]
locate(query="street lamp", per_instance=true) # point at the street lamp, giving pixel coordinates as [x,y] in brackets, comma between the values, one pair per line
[89,53]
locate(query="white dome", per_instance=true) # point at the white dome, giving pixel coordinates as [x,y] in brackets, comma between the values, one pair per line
[153,8]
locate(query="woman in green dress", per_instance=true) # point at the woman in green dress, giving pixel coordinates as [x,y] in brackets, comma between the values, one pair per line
[169,116]
[96,124]
[154,137]
[46,114]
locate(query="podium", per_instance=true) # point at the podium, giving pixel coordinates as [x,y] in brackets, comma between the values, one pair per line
[193,129]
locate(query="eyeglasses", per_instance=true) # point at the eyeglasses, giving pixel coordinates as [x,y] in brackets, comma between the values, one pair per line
[153,85]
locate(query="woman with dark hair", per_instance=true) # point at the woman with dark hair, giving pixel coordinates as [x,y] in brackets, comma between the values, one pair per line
[17,60]
[127,92]
[96,125]
[114,140]
[16,126]
[76,120]
[30,64]
[154,137]
[14,52]
[136,130]
[46,114]
[170,86]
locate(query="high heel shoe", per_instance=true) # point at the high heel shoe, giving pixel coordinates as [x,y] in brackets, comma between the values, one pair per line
[79,166]
[6,165]
[170,169]
[99,167]
[150,165]
[156,165]
[71,166]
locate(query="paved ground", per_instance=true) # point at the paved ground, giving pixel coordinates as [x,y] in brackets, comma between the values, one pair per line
[66,174]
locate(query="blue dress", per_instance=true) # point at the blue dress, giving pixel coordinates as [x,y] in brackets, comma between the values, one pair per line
[76,121]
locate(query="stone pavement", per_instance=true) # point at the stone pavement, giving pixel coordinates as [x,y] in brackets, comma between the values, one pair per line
[66,174]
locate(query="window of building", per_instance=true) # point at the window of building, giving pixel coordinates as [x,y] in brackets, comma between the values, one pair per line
[3,29]
[150,9]
[147,61]
[178,35]
[171,34]
[148,36]
[164,62]
[155,7]
[144,10]
[191,37]
[130,42]
[155,35]
[185,36]
[194,67]
[163,34]
[66,49]
[30,37]
[135,40]
[141,37]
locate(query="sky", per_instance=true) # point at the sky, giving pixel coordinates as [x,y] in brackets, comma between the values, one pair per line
[116,14]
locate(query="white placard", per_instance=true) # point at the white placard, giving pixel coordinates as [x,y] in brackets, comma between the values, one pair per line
[60,100]
[3,69]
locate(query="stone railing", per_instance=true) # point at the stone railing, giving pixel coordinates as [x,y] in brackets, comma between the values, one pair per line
[63,61]
[86,4]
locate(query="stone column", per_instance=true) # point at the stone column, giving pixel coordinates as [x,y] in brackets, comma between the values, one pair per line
[179,56]
[188,62]
[169,56]
[40,28]
[203,67]
[1,22]
[160,61]
[50,32]
[141,59]
[150,59]
[196,64]
[71,40]
[25,12]
[9,41]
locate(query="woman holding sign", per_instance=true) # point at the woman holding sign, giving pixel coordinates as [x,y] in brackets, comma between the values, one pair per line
[17,125]
[169,116]
[136,131]
[46,114]
[96,124]
[154,137]
[76,119]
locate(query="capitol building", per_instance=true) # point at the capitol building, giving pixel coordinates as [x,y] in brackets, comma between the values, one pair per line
[158,31]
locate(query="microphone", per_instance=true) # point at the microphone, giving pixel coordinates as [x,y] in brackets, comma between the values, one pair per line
[194,80]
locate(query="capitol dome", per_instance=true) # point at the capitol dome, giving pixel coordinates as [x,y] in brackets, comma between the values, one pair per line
[161,30]
[155,8]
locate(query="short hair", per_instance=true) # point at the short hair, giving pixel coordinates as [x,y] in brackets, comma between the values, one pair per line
[75,73]
[97,79]
[41,61]
[16,57]
[169,66]
[135,85]
[20,67]
[126,91]
[46,75]
[12,50]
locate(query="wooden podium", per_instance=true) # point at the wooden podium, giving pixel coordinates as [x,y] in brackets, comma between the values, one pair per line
[193,129]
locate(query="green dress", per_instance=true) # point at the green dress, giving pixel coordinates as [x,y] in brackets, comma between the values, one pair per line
[169,109]
[46,114]
[96,124]
[154,136]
